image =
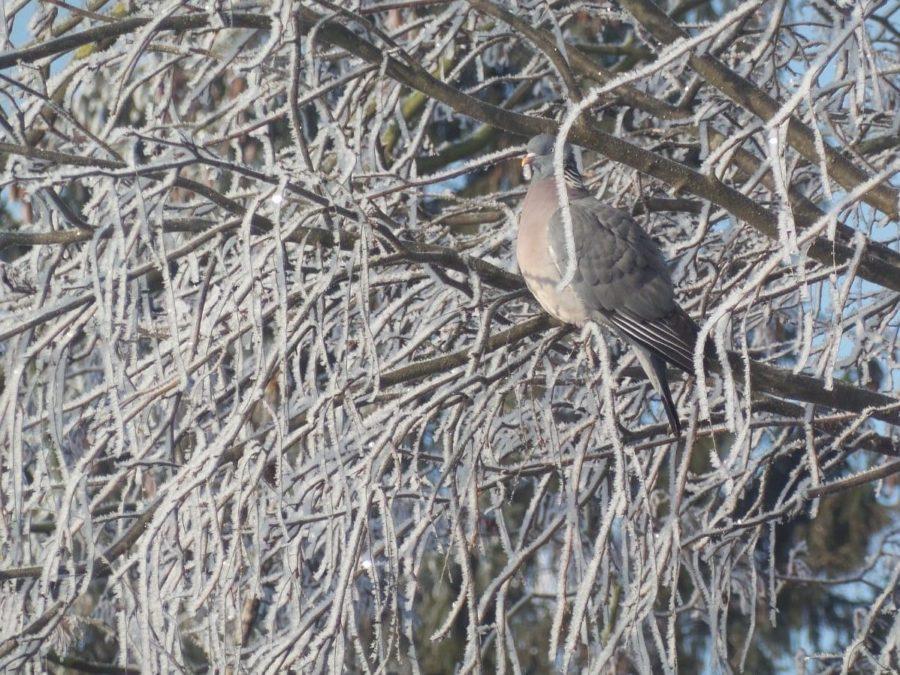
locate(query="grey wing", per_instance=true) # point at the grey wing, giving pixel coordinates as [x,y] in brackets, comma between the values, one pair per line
[621,275]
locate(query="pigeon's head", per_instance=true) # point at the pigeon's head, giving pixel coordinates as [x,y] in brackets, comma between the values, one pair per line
[539,156]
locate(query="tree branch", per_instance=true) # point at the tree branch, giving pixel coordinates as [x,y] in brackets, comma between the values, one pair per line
[746,94]
[546,42]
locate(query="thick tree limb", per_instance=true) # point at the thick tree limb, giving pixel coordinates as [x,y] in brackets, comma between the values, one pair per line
[764,378]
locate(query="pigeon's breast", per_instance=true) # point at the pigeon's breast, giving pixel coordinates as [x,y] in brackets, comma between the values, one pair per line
[536,260]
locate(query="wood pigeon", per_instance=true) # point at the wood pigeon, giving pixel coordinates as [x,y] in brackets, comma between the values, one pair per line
[621,277]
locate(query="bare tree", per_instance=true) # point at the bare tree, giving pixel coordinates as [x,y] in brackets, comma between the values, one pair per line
[274,397]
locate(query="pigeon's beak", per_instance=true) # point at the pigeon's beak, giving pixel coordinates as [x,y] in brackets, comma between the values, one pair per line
[528,159]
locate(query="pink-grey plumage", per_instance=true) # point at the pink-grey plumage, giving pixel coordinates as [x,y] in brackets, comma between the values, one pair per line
[621,277]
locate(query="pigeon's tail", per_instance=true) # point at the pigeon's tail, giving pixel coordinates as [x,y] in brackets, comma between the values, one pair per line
[655,368]
[672,337]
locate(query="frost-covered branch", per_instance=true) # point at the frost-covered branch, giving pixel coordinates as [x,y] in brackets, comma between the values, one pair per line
[275,398]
